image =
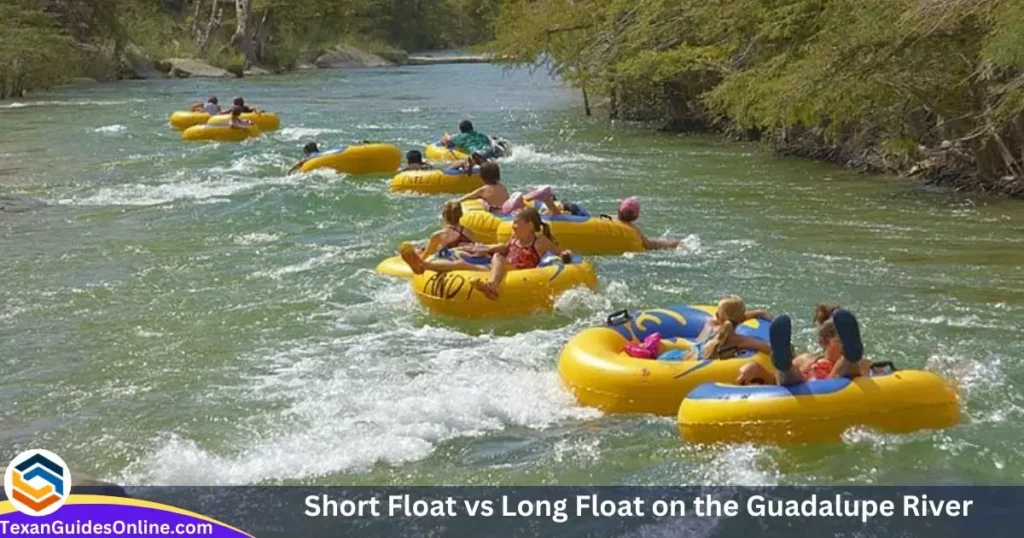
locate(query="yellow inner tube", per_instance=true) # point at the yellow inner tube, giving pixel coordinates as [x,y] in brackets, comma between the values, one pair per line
[590,236]
[183,119]
[219,133]
[439,153]
[477,219]
[264,121]
[818,411]
[484,224]
[358,159]
[394,266]
[436,182]
[523,292]
[594,367]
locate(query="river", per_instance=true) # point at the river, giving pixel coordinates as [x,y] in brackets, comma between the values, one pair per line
[187,314]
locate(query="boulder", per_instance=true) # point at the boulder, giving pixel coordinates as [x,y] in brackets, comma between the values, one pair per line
[256,71]
[96,62]
[82,81]
[348,56]
[135,65]
[188,67]
[435,60]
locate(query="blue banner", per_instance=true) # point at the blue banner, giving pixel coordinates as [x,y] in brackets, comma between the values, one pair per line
[564,512]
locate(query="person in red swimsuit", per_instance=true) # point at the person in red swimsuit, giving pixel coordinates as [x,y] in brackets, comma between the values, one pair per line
[452,234]
[841,352]
[531,240]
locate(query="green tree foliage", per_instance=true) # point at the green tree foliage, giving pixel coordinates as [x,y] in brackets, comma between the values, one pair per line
[34,53]
[888,76]
[40,40]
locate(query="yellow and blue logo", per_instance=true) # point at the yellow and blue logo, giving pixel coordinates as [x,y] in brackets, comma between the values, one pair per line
[37,482]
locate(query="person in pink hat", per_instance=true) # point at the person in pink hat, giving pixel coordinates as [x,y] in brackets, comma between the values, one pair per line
[629,211]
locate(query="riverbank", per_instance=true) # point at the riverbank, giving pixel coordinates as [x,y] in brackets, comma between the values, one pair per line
[895,86]
[951,164]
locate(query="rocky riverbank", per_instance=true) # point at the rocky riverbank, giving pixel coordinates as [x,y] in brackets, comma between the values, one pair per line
[134,65]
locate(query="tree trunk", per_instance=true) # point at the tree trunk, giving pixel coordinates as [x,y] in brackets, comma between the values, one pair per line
[586,100]
[242,39]
[195,21]
[261,37]
[203,37]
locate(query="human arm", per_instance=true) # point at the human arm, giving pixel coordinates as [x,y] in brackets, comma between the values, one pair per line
[758,314]
[659,243]
[746,342]
[545,245]
[434,244]
[488,250]
[752,373]
[845,368]
[296,166]
[475,195]
[455,142]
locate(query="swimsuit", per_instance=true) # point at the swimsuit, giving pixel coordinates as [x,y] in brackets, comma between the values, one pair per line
[463,239]
[724,352]
[521,257]
[820,369]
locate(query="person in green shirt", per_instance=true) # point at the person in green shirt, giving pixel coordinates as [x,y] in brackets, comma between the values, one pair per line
[469,141]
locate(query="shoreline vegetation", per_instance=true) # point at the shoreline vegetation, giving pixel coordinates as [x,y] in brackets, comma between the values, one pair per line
[932,89]
[48,43]
[927,89]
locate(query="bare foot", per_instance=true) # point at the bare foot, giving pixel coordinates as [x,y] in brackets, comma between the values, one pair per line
[489,290]
[408,253]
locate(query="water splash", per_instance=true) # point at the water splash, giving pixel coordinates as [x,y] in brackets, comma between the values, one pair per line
[292,134]
[527,154]
[391,406]
[111,129]
[76,103]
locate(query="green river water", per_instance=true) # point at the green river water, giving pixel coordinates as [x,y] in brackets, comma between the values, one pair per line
[177,313]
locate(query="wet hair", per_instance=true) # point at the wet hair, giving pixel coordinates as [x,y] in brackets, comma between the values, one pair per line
[414,157]
[823,312]
[310,148]
[490,173]
[451,212]
[827,331]
[212,99]
[532,216]
[238,101]
[734,310]
[465,126]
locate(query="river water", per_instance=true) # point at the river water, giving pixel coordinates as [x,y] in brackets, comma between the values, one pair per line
[187,314]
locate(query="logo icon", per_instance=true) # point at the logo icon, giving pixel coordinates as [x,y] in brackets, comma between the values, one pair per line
[37,482]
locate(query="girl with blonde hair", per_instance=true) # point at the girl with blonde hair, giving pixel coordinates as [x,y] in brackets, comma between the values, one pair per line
[452,234]
[718,338]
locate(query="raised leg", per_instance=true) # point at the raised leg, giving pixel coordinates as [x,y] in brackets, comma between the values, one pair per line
[781,336]
[499,268]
